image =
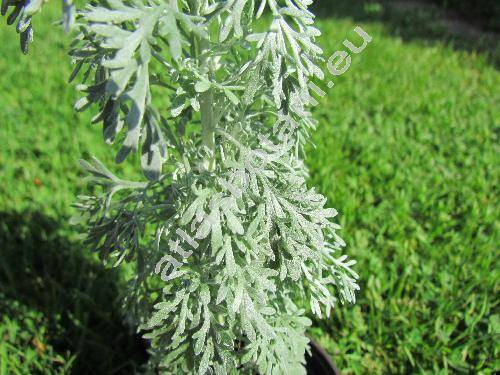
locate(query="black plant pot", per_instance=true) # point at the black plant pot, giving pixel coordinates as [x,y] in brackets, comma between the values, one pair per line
[319,363]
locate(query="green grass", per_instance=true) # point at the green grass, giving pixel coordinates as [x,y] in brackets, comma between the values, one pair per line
[407,150]
[56,294]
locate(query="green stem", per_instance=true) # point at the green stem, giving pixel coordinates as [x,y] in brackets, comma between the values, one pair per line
[208,122]
[208,119]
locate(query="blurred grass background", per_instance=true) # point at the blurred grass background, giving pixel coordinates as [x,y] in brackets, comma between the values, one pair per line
[406,149]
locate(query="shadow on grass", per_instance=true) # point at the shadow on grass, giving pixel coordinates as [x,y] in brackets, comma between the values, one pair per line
[45,271]
[416,20]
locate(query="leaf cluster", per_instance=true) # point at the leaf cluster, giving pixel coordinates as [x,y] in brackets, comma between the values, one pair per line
[230,246]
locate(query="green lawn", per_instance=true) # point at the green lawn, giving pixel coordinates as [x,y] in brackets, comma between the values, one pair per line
[407,150]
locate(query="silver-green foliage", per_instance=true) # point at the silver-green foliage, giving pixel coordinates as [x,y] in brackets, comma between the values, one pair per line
[216,100]
[24,10]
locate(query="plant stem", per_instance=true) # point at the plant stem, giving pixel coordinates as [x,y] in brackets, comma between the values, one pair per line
[207,109]
[208,120]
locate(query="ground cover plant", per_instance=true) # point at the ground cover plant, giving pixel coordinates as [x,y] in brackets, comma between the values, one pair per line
[406,146]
